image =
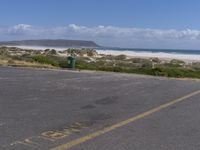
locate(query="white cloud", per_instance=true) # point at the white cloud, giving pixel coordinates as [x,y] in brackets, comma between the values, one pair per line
[109,35]
[19,29]
[22,27]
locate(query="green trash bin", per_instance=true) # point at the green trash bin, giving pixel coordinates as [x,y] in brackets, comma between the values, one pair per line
[71,60]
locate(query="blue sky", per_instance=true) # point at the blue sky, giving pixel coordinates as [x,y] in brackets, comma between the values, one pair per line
[124,23]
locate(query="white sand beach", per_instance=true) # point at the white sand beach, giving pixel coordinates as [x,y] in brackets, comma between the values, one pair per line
[160,55]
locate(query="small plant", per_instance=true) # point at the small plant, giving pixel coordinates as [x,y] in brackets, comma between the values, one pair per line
[45,60]
[177,62]
[156,60]
[11,61]
[120,57]
[4,52]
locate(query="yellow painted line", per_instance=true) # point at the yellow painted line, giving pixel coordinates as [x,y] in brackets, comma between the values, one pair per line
[122,123]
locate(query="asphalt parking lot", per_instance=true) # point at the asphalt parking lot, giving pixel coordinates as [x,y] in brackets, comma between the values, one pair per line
[57,110]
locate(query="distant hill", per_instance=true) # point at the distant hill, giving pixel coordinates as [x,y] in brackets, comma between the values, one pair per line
[51,43]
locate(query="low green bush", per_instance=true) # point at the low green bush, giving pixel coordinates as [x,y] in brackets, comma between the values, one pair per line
[45,60]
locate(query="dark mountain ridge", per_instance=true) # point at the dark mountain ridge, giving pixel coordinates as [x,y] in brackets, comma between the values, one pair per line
[51,43]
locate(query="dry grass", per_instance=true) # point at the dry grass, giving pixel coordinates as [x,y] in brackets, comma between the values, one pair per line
[17,63]
[3,62]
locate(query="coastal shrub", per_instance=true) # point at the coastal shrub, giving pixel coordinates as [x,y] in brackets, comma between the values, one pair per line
[184,73]
[146,65]
[170,65]
[196,65]
[45,60]
[157,71]
[37,52]
[26,57]
[4,52]
[156,60]
[90,52]
[143,63]
[50,52]
[16,57]
[120,57]
[110,57]
[63,64]
[11,61]
[46,51]
[53,52]
[176,63]
[80,52]
[138,60]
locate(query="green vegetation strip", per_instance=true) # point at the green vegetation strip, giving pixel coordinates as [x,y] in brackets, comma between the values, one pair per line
[89,59]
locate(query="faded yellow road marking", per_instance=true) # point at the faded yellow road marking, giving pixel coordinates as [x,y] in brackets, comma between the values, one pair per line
[52,135]
[26,142]
[122,123]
